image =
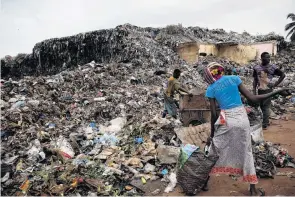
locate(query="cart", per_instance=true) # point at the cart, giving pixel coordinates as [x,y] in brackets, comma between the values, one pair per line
[194,110]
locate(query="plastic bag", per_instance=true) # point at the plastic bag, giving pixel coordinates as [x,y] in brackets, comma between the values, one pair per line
[194,173]
[172,183]
[110,140]
[257,133]
[116,126]
[64,148]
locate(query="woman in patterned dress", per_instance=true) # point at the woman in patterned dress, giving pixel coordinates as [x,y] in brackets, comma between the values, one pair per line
[230,131]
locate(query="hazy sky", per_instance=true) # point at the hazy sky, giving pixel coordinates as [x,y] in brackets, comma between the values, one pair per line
[26,22]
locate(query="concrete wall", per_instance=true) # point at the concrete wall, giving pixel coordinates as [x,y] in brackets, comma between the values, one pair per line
[270,47]
[241,54]
[188,52]
[208,49]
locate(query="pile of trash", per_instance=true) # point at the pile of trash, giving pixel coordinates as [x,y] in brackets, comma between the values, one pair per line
[69,127]
[172,35]
[126,43]
[97,128]
[268,156]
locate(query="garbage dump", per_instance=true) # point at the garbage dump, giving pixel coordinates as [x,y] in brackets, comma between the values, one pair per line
[81,115]
[64,134]
[123,44]
[90,130]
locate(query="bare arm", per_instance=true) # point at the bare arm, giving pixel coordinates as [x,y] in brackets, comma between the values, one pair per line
[183,90]
[180,89]
[254,86]
[214,116]
[282,77]
[257,98]
[255,82]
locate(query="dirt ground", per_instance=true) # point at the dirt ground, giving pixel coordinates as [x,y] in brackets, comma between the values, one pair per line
[280,131]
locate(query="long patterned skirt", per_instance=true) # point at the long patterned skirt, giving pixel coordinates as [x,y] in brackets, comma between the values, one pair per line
[232,142]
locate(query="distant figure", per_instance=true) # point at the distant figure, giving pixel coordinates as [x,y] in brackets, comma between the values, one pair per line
[242,71]
[170,104]
[234,70]
[263,75]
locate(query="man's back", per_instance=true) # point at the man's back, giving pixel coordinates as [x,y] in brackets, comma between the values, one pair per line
[172,86]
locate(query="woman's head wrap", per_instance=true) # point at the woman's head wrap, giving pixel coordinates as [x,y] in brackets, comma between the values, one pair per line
[213,72]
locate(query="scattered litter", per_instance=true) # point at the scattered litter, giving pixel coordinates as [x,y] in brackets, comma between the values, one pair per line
[157,191]
[172,183]
[164,172]
[168,154]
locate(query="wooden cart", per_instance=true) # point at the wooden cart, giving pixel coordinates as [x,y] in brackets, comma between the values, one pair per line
[194,110]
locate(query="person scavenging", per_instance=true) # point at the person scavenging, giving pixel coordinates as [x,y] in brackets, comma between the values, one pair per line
[173,86]
[263,75]
[230,130]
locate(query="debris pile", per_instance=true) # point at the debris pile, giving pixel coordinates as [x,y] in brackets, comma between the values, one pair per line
[96,128]
[172,35]
[268,156]
[126,43]
[285,57]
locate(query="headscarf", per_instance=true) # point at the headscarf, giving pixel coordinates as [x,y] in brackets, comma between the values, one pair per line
[213,72]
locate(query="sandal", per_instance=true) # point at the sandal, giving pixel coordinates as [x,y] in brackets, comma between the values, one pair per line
[205,188]
[262,192]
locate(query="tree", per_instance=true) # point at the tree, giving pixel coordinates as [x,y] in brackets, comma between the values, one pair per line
[291,27]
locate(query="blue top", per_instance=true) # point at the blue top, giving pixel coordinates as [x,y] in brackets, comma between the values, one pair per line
[226,92]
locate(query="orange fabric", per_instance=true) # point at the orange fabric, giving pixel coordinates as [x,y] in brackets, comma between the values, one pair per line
[229,170]
[252,179]
[222,117]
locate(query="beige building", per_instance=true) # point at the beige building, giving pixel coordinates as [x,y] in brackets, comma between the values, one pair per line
[240,53]
[189,52]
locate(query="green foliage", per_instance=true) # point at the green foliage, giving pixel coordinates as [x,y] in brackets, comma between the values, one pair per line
[290,27]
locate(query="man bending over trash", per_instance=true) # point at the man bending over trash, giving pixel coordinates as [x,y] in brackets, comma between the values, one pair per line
[170,104]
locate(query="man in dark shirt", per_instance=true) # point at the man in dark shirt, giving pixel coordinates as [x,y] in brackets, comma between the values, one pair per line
[263,75]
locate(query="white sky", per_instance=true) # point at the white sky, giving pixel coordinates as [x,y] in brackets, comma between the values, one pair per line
[26,22]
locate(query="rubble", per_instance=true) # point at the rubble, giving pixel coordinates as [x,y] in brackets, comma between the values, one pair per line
[123,44]
[51,135]
[268,156]
[70,127]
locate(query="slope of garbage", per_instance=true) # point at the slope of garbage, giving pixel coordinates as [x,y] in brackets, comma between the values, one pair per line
[95,130]
[97,123]
[123,44]
[69,127]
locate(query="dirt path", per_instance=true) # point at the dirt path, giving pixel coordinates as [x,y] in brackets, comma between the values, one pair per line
[282,132]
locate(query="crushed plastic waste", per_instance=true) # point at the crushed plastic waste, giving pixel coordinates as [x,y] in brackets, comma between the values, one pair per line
[172,183]
[164,172]
[268,156]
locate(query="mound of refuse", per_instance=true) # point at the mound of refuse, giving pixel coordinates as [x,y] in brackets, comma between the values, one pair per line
[95,130]
[99,123]
[155,47]
[70,127]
